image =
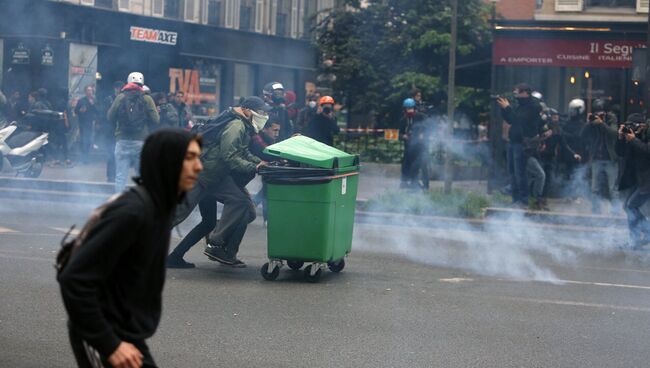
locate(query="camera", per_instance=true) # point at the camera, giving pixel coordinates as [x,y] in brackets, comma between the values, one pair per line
[600,115]
[629,127]
[495,97]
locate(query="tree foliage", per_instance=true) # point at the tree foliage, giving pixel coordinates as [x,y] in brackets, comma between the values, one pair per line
[382,51]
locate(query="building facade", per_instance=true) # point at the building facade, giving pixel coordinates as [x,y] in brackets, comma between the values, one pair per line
[215,51]
[571,49]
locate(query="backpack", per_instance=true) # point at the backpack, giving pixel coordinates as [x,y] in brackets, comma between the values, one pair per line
[70,247]
[211,129]
[132,113]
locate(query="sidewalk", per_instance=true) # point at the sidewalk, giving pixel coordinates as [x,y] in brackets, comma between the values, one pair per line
[375,179]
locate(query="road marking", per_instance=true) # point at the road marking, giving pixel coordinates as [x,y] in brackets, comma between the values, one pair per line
[5,230]
[456,280]
[577,304]
[627,286]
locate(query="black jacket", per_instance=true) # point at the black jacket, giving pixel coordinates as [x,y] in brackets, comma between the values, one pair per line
[279,114]
[635,169]
[322,129]
[524,120]
[112,285]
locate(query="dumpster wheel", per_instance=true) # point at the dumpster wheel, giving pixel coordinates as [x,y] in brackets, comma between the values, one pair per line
[270,276]
[295,265]
[336,266]
[313,272]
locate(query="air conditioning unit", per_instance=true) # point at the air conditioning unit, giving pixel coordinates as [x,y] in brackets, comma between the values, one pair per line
[568,5]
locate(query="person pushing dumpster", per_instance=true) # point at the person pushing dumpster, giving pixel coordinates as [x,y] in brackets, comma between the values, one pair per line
[228,167]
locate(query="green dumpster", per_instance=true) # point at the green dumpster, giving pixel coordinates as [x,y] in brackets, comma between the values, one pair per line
[311,202]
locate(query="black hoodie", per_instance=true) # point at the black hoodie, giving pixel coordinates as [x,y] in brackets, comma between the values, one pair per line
[112,286]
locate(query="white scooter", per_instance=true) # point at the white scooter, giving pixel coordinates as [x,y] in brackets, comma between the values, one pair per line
[21,143]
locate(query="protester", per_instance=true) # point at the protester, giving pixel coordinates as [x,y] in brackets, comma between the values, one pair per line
[107,131]
[574,172]
[308,112]
[168,113]
[229,166]
[322,127]
[524,122]
[412,134]
[599,135]
[112,284]
[134,114]
[274,95]
[183,111]
[87,114]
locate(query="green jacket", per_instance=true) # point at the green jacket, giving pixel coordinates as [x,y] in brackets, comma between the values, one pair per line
[230,156]
[152,114]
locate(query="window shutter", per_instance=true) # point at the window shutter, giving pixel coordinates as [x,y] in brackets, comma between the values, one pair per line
[642,6]
[192,10]
[294,19]
[259,15]
[568,5]
[157,8]
[137,6]
[123,5]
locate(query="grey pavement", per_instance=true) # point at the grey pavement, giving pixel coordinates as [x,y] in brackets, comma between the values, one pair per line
[415,297]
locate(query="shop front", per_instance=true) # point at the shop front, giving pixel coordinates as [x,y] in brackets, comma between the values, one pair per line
[563,66]
[64,48]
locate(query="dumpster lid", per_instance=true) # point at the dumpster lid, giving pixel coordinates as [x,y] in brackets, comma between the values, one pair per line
[309,151]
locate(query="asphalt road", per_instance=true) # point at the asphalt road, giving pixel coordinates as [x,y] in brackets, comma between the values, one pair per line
[409,297]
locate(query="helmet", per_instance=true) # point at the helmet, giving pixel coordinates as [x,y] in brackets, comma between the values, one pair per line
[135,77]
[326,100]
[146,89]
[538,95]
[409,103]
[576,107]
[270,87]
[599,105]
[552,111]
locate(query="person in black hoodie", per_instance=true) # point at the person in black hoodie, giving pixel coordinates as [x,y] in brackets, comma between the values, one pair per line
[112,285]
[525,123]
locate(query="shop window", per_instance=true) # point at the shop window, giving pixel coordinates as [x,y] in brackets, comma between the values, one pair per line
[611,3]
[171,9]
[568,5]
[214,12]
[192,10]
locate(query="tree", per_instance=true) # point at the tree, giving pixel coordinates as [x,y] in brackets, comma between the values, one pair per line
[382,51]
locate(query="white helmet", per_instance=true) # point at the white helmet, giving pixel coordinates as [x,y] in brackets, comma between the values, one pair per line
[538,95]
[576,107]
[135,77]
[146,89]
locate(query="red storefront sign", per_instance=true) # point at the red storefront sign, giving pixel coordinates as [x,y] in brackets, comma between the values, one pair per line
[564,53]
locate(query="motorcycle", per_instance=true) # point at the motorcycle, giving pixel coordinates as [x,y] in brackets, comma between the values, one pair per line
[22,142]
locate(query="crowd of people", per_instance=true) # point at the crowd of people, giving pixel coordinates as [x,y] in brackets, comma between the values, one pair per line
[590,154]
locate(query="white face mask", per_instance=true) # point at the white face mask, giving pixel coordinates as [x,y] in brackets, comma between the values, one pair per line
[258,121]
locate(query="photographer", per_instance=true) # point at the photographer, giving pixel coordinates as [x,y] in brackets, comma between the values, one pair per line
[525,122]
[634,175]
[599,136]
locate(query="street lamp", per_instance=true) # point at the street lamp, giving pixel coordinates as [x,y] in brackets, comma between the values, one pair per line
[495,129]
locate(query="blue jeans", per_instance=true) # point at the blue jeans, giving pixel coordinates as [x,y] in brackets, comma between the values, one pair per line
[603,179]
[127,155]
[537,177]
[636,221]
[517,169]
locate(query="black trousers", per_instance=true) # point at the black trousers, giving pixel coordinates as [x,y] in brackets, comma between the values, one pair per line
[87,357]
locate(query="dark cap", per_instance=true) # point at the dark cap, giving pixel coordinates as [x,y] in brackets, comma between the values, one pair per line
[255,103]
[636,118]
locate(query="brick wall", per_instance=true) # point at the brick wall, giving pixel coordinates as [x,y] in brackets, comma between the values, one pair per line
[516,9]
